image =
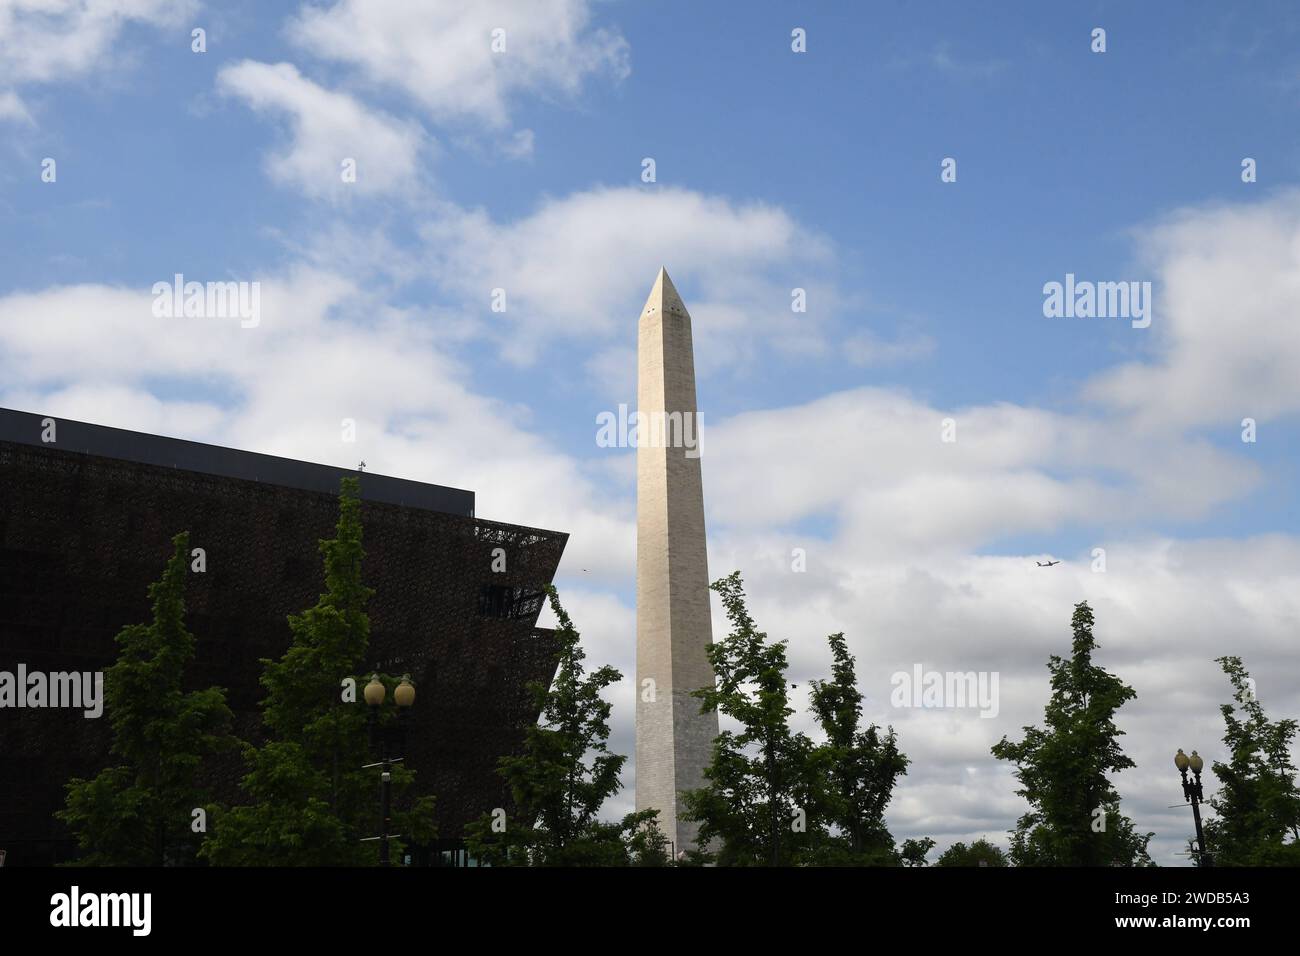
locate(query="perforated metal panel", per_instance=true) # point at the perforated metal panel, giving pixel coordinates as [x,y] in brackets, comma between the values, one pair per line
[82,537]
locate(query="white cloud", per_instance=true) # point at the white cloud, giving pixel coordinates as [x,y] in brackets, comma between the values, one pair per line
[325,350]
[1227,295]
[1165,609]
[327,128]
[899,562]
[439,52]
[874,460]
[579,268]
[54,41]
[12,108]
[943,60]
[520,145]
[122,403]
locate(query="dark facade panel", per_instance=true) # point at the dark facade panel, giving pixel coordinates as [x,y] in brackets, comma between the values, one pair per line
[82,536]
[27,428]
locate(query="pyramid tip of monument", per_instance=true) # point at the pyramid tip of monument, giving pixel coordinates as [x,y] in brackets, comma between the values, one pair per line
[663,295]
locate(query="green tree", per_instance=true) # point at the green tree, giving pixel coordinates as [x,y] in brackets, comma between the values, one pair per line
[979,853]
[311,803]
[562,776]
[1257,807]
[756,785]
[853,772]
[647,846]
[1063,769]
[913,852]
[140,812]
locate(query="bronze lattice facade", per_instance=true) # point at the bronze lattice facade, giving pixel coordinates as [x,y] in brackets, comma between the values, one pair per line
[82,535]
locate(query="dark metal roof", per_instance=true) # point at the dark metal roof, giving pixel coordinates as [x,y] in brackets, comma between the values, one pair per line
[26,428]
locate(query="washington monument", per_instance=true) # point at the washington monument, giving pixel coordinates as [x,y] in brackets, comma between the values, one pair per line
[673,630]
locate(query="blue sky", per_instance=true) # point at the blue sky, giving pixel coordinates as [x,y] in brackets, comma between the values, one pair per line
[775,170]
[1061,152]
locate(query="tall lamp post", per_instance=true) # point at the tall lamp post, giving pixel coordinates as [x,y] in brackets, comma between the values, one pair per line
[389,738]
[1193,794]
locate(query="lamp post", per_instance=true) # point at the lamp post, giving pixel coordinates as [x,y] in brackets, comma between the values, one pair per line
[388,738]
[1193,794]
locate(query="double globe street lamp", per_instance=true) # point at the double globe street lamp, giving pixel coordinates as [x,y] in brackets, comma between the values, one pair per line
[389,739]
[1193,794]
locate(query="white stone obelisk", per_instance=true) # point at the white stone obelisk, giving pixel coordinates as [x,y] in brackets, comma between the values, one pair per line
[673,630]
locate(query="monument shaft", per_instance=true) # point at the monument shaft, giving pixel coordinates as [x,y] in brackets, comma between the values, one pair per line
[673,628]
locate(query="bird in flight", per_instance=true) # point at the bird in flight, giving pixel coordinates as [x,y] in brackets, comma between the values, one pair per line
[1047,565]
